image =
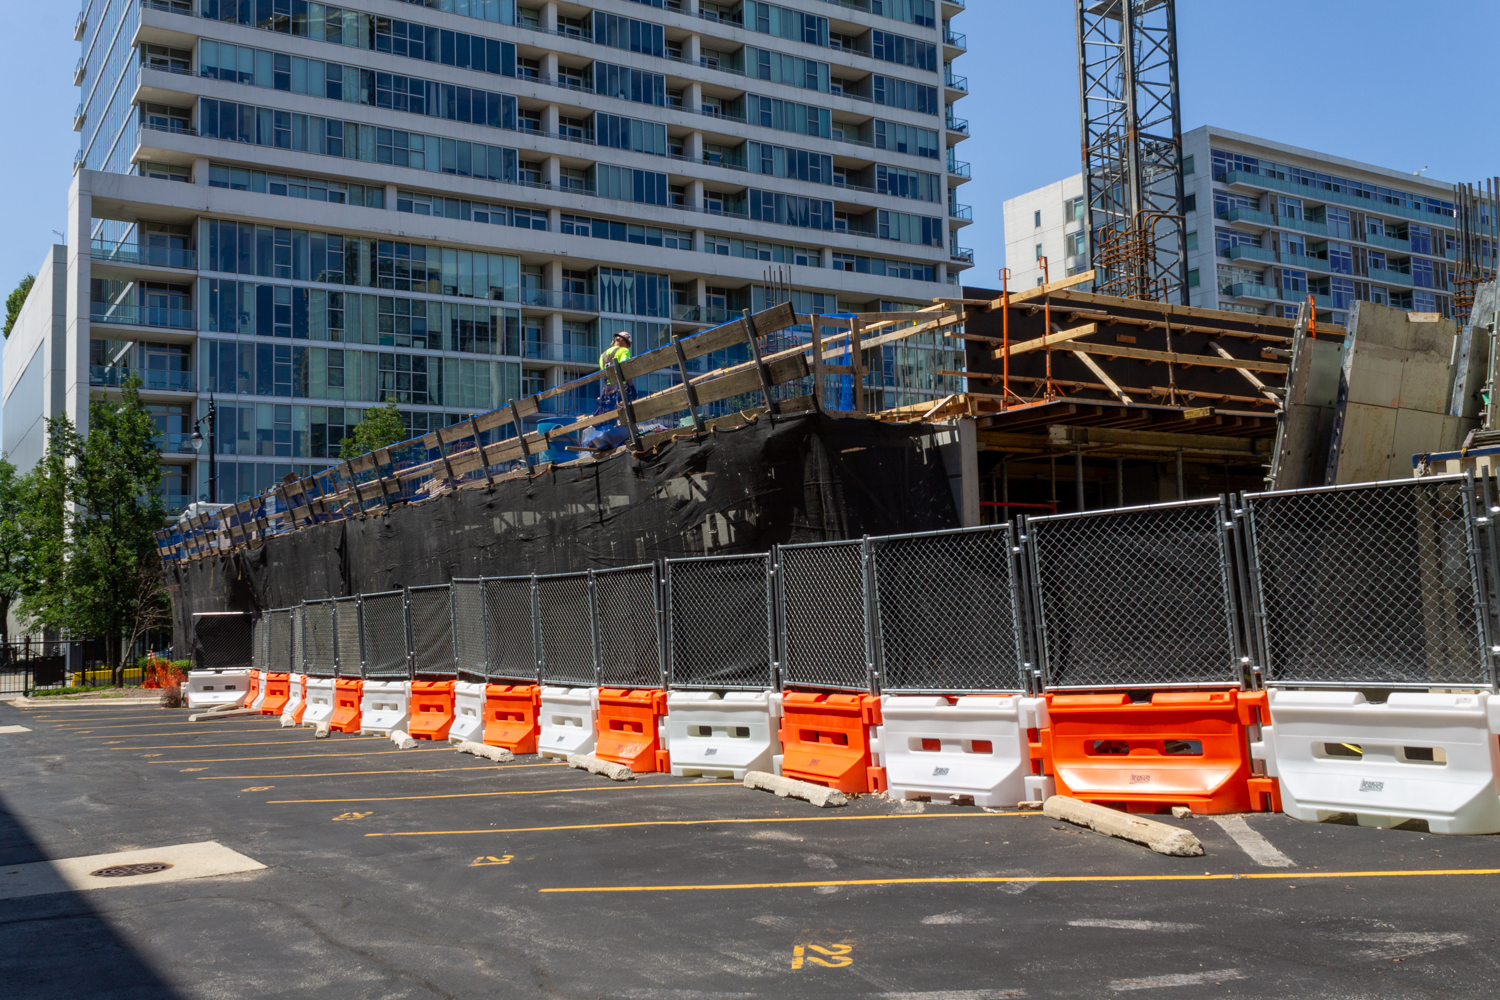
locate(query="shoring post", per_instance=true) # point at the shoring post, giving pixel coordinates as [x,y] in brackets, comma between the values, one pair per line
[760,365]
[515,416]
[687,384]
[626,409]
[817,360]
[484,461]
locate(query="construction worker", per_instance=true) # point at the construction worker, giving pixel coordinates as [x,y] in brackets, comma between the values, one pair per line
[617,351]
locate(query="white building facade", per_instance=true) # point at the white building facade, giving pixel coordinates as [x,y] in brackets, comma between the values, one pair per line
[303,210]
[1270,224]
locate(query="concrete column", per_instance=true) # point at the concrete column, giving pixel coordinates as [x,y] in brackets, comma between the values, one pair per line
[554,220]
[554,333]
[200,171]
[76,329]
[549,119]
[693,147]
[552,171]
[692,98]
[968,443]
[390,197]
[828,257]
[549,64]
[695,195]
[552,273]
[693,50]
[549,16]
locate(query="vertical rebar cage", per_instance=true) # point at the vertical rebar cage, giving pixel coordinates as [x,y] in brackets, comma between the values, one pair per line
[1382,584]
[432,643]
[468,629]
[627,621]
[511,645]
[223,640]
[565,628]
[348,647]
[318,638]
[279,651]
[383,635]
[946,611]
[1136,597]
[720,623]
[822,610]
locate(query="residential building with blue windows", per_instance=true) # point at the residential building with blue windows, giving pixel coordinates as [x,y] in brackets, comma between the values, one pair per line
[1269,224]
[303,209]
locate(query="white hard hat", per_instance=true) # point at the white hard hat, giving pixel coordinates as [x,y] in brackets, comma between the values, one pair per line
[623,335]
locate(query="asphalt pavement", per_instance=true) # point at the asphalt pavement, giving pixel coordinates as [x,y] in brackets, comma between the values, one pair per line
[428,873]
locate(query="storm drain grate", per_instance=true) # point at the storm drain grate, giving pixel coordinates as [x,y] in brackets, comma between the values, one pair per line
[125,871]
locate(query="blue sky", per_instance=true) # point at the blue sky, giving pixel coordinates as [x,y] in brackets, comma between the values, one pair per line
[1371,80]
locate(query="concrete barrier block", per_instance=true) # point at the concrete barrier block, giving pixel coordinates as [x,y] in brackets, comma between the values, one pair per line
[402,740]
[818,795]
[499,755]
[321,733]
[594,765]
[1160,837]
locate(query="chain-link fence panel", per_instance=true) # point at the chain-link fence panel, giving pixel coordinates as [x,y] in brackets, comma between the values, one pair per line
[279,653]
[318,638]
[565,619]
[510,630]
[383,630]
[1140,597]
[346,631]
[719,623]
[259,642]
[223,640]
[822,609]
[625,609]
[468,629]
[299,640]
[1375,584]
[945,611]
[432,631]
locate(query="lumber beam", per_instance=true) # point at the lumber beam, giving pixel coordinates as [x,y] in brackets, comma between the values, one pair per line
[1176,357]
[1048,340]
[1070,435]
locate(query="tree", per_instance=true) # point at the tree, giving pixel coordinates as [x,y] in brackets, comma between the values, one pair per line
[13,548]
[42,522]
[16,301]
[380,428]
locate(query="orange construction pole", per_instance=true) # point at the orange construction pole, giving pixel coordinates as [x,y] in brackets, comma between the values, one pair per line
[1312,318]
[1005,336]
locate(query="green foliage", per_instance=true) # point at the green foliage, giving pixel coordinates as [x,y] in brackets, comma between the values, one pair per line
[92,506]
[380,428]
[70,689]
[13,545]
[16,300]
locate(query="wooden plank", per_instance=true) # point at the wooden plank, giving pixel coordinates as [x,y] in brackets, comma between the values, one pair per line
[1103,376]
[760,366]
[1048,340]
[817,360]
[1074,434]
[687,385]
[856,358]
[1042,291]
[1264,389]
[1108,301]
[895,335]
[1140,354]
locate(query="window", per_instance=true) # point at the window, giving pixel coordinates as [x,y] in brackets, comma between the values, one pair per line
[1227,239]
[1075,210]
[1293,245]
[1187,164]
[1337,221]
[1289,208]
[1224,203]
[1192,240]
[1374,227]
[1342,292]
[1340,258]
[1036,219]
[335,369]
[1190,203]
[1294,282]
[1193,278]
[1038,251]
[1376,260]
[1421,239]
[905,139]
[1425,302]
[1421,274]
[1076,243]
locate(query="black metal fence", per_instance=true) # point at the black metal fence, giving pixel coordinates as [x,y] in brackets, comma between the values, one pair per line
[1379,585]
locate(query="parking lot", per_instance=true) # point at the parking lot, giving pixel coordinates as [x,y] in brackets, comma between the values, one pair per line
[428,873]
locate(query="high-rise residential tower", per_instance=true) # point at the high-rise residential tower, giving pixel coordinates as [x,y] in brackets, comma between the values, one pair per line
[303,209]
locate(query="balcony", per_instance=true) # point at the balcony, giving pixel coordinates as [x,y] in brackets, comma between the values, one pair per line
[1302,225]
[565,301]
[962,212]
[1388,277]
[683,313]
[78,117]
[955,82]
[1243,252]
[112,376]
[1249,290]
[170,6]
[958,168]
[958,125]
[1249,215]
[541,350]
[78,73]
[1389,242]
[174,127]
[130,315]
[1303,262]
[130,253]
[961,254]
[953,38]
[79,24]
[1333,197]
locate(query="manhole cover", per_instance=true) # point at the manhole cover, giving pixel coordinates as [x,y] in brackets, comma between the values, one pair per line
[125,871]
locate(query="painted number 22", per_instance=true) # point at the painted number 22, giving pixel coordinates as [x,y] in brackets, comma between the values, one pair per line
[836,956]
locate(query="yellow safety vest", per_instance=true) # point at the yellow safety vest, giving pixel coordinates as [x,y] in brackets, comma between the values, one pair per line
[620,354]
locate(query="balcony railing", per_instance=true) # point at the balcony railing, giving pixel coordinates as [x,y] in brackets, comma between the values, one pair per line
[958,125]
[1243,252]
[1389,242]
[131,253]
[540,350]
[113,376]
[1251,290]
[172,127]
[961,254]
[1304,262]
[579,354]
[958,168]
[953,38]
[1248,215]
[684,313]
[964,212]
[1389,277]
[954,82]
[568,301]
[129,315]
[1302,225]
[170,6]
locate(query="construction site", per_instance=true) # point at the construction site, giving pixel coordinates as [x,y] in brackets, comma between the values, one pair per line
[1222,586]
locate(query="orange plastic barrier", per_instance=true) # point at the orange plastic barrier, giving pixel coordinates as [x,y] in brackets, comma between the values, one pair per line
[628,731]
[825,739]
[1180,748]
[302,703]
[278,691]
[253,690]
[347,695]
[513,716]
[431,709]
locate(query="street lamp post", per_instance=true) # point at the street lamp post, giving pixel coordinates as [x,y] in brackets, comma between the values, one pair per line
[212,416]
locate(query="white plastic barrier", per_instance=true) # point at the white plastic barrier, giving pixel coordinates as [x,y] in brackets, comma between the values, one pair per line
[1418,755]
[722,736]
[468,713]
[972,750]
[319,701]
[211,688]
[294,696]
[260,693]
[570,718]
[386,705]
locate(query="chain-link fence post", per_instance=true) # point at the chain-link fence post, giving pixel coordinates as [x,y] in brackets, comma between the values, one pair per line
[873,670]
